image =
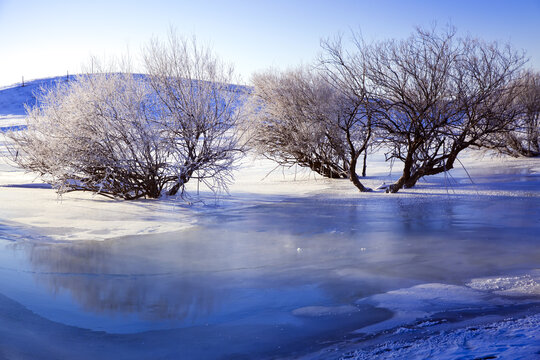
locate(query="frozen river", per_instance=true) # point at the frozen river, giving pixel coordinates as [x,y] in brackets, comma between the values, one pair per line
[285,277]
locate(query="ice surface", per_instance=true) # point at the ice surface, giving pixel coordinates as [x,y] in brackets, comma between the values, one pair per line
[325,310]
[234,282]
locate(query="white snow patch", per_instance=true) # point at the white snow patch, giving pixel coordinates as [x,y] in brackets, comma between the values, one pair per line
[419,302]
[528,284]
[12,120]
[86,217]
[508,339]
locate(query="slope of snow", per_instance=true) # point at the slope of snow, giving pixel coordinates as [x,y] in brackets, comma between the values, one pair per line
[507,339]
[433,321]
[420,301]
[14,98]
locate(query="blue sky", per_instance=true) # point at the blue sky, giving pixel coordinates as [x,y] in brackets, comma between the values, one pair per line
[48,38]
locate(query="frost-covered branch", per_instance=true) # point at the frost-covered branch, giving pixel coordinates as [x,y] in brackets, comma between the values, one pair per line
[131,136]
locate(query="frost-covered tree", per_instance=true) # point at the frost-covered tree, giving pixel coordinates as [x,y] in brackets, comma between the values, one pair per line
[438,95]
[131,136]
[201,108]
[98,133]
[300,118]
[291,122]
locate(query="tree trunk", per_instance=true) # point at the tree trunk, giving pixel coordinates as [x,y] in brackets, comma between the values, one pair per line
[395,187]
[413,179]
[364,167]
[354,177]
[409,180]
[182,180]
[405,175]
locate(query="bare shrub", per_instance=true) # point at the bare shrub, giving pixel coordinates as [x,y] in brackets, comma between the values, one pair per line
[300,118]
[97,133]
[291,122]
[131,136]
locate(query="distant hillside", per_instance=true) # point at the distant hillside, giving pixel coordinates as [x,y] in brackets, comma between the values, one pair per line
[13,98]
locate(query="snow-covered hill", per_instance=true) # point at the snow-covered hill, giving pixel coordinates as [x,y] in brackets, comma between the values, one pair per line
[13,98]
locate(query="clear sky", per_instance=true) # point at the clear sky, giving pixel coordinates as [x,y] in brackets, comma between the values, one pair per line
[49,38]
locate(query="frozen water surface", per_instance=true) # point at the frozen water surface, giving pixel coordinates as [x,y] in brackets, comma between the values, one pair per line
[279,277]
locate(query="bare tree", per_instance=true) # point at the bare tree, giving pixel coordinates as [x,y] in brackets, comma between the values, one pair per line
[201,107]
[426,98]
[438,95]
[346,73]
[524,137]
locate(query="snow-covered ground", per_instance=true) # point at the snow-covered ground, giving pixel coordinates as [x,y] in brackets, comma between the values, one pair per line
[85,216]
[287,265]
[440,321]
[506,339]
